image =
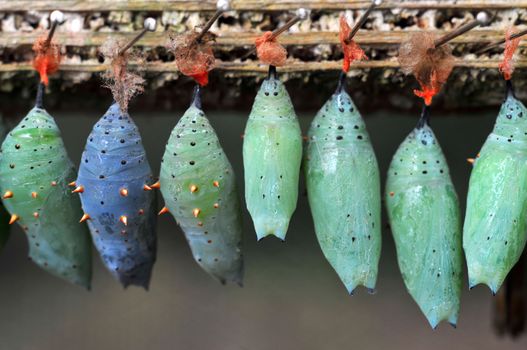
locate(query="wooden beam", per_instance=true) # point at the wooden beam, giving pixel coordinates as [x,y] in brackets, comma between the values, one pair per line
[246,5]
[255,67]
[365,37]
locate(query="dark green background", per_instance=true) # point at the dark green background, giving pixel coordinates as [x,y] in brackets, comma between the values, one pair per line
[292,299]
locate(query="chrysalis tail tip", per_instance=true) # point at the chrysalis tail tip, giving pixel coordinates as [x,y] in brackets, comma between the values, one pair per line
[425,117]
[453,324]
[196,97]
[272,72]
[39,103]
[342,83]
[509,89]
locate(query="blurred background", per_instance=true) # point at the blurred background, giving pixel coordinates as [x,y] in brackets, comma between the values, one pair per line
[292,299]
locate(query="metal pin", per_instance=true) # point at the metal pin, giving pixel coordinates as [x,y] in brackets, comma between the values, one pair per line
[363,19]
[149,25]
[481,19]
[500,42]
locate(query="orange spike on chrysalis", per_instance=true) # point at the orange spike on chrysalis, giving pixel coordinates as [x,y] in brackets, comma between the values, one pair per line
[72,184]
[157,185]
[13,219]
[123,192]
[8,194]
[147,188]
[216,184]
[36,215]
[34,194]
[196,212]
[123,219]
[78,189]
[193,188]
[163,211]
[471,160]
[84,217]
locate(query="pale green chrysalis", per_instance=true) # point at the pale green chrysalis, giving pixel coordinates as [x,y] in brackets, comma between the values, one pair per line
[495,230]
[424,216]
[199,188]
[343,187]
[272,153]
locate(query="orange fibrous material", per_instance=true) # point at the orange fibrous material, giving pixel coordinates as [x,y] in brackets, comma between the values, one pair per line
[47,59]
[194,58]
[431,66]
[269,50]
[351,49]
[507,65]
[123,83]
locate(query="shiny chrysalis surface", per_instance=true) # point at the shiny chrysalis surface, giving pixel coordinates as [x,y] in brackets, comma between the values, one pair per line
[495,230]
[343,187]
[272,153]
[35,171]
[424,216]
[122,212]
[198,185]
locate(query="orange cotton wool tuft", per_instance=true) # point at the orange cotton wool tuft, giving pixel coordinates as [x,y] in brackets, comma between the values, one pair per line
[269,51]
[47,59]
[507,65]
[194,57]
[351,49]
[431,66]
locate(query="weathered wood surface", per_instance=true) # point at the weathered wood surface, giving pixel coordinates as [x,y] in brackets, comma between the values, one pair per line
[364,37]
[244,5]
[254,67]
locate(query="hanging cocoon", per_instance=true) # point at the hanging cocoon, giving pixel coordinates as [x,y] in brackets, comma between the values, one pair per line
[495,230]
[272,152]
[35,171]
[119,205]
[198,185]
[424,216]
[343,186]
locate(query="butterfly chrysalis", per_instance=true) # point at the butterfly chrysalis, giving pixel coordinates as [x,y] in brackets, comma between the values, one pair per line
[495,229]
[343,187]
[35,171]
[198,185]
[111,183]
[272,153]
[115,177]
[424,216]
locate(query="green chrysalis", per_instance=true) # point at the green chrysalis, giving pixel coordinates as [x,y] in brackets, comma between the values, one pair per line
[35,172]
[344,192]
[424,215]
[495,229]
[272,153]
[198,185]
